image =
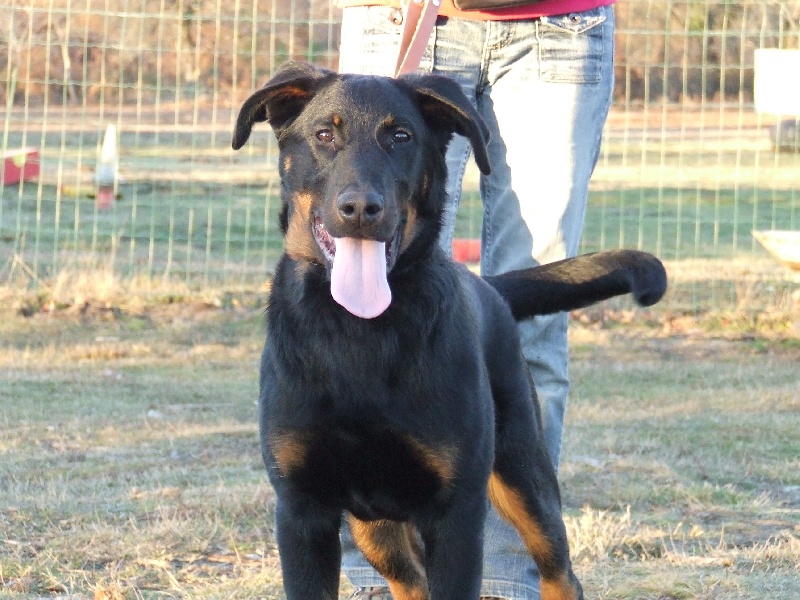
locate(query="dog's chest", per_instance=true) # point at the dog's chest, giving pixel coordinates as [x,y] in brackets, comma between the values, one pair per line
[372,417]
[371,471]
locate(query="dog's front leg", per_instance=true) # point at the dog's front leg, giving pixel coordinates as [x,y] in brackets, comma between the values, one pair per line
[454,549]
[309,547]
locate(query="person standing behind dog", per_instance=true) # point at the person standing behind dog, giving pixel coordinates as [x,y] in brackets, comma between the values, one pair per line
[541,75]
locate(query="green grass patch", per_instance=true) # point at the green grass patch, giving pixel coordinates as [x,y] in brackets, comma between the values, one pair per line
[678,223]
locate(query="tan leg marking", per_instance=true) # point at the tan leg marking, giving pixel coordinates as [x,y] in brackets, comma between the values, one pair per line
[392,548]
[558,589]
[511,506]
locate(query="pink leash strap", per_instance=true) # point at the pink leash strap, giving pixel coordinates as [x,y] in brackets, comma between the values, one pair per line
[418,22]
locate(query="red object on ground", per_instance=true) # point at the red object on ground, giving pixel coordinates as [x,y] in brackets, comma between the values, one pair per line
[466,250]
[20,164]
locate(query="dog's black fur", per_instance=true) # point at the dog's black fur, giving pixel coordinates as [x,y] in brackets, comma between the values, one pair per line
[403,421]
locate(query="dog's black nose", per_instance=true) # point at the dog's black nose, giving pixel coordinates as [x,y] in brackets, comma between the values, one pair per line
[360,208]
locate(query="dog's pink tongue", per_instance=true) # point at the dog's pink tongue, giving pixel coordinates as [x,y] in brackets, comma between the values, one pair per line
[358,277]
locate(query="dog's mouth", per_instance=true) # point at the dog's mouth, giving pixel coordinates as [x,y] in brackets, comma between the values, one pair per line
[325,241]
[327,244]
[358,269]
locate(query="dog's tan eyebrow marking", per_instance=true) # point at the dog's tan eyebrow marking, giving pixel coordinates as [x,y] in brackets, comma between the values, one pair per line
[287,164]
[392,121]
[337,121]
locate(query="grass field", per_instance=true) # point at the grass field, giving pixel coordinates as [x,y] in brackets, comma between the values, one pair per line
[130,468]
[129,343]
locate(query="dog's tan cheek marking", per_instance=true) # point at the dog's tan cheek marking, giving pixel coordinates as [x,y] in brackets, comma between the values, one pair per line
[390,548]
[290,451]
[410,230]
[299,243]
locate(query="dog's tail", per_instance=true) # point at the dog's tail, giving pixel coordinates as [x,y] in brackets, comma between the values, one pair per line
[581,281]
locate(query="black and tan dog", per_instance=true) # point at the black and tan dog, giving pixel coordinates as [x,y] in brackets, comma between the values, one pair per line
[392,384]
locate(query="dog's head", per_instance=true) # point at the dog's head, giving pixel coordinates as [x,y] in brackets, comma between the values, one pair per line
[362,170]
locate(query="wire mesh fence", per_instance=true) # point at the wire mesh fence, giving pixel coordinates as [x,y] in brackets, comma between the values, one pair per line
[688,170]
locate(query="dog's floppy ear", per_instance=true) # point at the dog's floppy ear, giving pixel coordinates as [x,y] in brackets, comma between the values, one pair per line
[445,106]
[280,100]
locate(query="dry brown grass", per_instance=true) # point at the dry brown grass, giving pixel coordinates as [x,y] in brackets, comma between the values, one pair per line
[130,468]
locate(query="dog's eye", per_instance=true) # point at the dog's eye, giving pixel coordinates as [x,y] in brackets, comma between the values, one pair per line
[401,136]
[325,135]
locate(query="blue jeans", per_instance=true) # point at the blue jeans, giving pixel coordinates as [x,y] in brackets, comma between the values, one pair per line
[544,88]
